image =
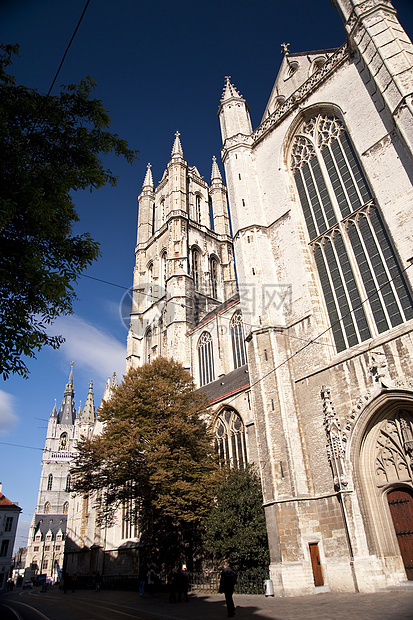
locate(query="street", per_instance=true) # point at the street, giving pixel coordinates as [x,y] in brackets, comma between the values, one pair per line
[117,605]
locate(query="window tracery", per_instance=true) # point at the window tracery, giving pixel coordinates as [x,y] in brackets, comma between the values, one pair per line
[206,359]
[214,277]
[148,345]
[229,438]
[50,482]
[393,451]
[195,268]
[238,339]
[352,250]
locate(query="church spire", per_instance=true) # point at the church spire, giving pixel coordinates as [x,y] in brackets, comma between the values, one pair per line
[148,180]
[54,411]
[88,414]
[215,173]
[67,412]
[229,91]
[234,119]
[177,146]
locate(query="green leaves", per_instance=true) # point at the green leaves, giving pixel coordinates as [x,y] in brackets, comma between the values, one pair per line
[50,146]
[156,452]
[235,526]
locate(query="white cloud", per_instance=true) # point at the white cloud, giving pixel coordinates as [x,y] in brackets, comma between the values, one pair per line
[8,419]
[90,348]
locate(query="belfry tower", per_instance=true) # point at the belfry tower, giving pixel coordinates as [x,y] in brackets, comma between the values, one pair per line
[47,534]
[184,259]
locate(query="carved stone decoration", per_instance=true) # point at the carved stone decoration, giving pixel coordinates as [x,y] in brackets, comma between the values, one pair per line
[393,451]
[364,8]
[379,369]
[335,445]
[407,434]
[298,96]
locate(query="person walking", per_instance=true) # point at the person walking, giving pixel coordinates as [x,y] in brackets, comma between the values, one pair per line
[183,583]
[226,586]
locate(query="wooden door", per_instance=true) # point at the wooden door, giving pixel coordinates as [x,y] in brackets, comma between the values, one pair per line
[316,565]
[401,509]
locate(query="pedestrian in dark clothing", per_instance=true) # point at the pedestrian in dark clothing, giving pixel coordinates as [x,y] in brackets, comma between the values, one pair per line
[142,579]
[98,581]
[173,585]
[183,583]
[74,582]
[226,586]
[66,582]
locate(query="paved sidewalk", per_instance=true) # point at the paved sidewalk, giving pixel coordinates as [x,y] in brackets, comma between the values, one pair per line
[385,605]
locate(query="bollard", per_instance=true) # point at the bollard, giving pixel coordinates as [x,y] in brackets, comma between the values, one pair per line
[268,588]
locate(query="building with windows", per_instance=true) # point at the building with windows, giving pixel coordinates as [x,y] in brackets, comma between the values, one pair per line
[321,197]
[307,359]
[47,533]
[9,517]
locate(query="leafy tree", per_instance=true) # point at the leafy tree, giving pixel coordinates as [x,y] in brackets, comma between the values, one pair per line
[235,526]
[154,452]
[50,147]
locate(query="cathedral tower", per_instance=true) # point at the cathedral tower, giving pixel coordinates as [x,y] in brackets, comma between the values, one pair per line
[184,261]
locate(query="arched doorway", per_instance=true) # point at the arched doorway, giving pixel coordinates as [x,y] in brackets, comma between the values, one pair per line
[401,509]
[384,482]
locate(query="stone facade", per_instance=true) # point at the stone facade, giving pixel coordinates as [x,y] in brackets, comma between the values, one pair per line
[306,359]
[9,517]
[48,530]
[316,266]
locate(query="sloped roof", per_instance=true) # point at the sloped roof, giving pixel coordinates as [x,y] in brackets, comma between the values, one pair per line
[52,522]
[228,385]
[6,503]
[296,68]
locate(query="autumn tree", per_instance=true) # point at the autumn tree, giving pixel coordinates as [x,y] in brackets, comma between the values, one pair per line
[235,526]
[51,146]
[154,454]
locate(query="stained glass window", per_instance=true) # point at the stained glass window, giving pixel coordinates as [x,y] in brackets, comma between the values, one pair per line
[364,289]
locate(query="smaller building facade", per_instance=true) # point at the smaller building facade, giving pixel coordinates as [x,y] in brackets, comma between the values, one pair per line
[9,517]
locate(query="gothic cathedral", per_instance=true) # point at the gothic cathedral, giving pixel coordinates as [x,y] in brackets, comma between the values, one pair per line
[306,356]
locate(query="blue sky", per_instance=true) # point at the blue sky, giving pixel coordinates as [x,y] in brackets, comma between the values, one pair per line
[159,68]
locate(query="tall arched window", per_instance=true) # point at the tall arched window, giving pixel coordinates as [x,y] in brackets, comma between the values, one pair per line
[148,345]
[238,339]
[198,208]
[63,442]
[164,271]
[68,480]
[352,250]
[153,218]
[195,268]
[50,482]
[206,358]
[229,438]
[211,213]
[47,508]
[150,285]
[213,266]
[65,508]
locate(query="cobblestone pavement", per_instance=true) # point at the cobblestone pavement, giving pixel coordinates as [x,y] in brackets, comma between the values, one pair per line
[384,605]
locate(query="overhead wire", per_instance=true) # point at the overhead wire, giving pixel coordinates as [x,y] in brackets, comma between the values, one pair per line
[312,341]
[44,100]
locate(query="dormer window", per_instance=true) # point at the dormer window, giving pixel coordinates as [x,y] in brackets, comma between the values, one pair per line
[292,68]
[317,64]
